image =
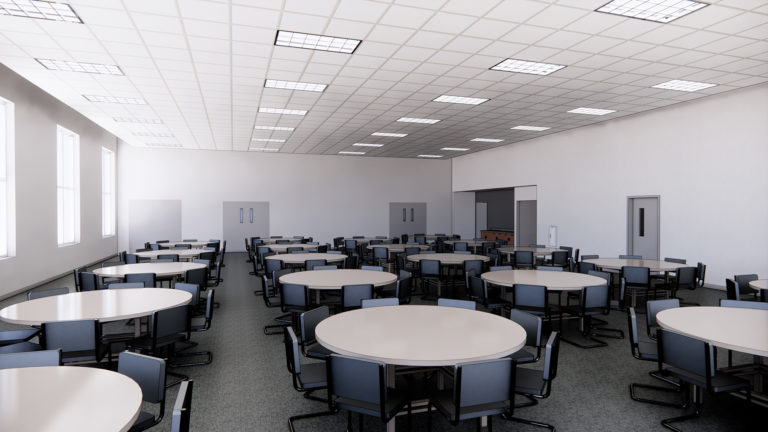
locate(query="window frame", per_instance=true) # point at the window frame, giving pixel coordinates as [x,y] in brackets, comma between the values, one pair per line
[8,181]
[61,133]
[108,192]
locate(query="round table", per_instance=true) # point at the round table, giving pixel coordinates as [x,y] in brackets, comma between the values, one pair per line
[283,247]
[420,335]
[67,398]
[447,258]
[553,280]
[618,263]
[536,251]
[335,279]
[103,305]
[738,329]
[194,244]
[182,253]
[269,241]
[160,269]
[760,284]
[299,258]
[398,248]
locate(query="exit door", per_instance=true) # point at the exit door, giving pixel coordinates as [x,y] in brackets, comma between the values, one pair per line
[244,219]
[643,227]
[407,218]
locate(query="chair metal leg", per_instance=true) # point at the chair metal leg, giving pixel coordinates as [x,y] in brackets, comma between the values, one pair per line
[697,396]
[306,416]
[633,395]
[528,422]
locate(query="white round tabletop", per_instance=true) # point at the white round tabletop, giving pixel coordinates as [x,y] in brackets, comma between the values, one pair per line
[471,243]
[269,241]
[194,244]
[738,329]
[283,247]
[335,279]
[395,248]
[760,284]
[420,335]
[182,253]
[67,398]
[618,263]
[104,305]
[299,258]
[448,258]
[536,251]
[553,280]
[160,269]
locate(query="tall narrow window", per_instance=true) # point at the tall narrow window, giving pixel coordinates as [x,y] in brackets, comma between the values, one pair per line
[7,189]
[107,192]
[68,186]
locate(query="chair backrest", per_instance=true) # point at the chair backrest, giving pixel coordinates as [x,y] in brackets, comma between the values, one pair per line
[292,358]
[271,265]
[123,285]
[551,355]
[743,304]
[131,258]
[532,325]
[352,296]
[585,267]
[372,268]
[172,257]
[636,276]
[47,293]
[595,299]
[293,297]
[78,339]
[523,258]
[182,408]
[388,301]
[586,257]
[182,246]
[403,287]
[412,251]
[149,279]
[653,307]
[634,337]
[191,288]
[549,268]
[498,268]
[380,253]
[462,304]
[630,257]
[743,281]
[358,380]
[198,276]
[482,383]
[30,359]
[460,246]
[147,371]
[532,298]
[88,281]
[309,320]
[169,322]
[560,258]
[429,267]
[473,265]
[534,245]
[685,277]
[686,353]
[312,263]
[675,260]
[210,256]
[277,274]
[295,249]
[420,240]
[476,287]
[326,267]
[701,272]
[732,290]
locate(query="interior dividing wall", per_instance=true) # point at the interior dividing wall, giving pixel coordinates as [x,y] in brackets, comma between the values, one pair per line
[312,195]
[38,256]
[706,159]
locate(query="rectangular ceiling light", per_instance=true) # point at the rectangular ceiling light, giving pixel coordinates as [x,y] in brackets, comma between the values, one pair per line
[491,140]
[429,156]
[662,11]
[40,10]
[154,134]
[276,128]
[316,42]
[417,120]
[294,85]
[591,111]
[137,120]
[459,100]
[264,149]
[527,67]
[268,140]
[114,99]
[390,134]
[454,148]
[686,86]
[367,145]
[71,66]
[351,153]
[530,128]
[283,111]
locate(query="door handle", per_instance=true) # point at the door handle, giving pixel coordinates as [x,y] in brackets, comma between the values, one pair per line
[241,215]
[251,214]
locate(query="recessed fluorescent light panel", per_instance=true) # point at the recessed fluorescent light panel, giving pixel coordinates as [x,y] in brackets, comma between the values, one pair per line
[459,100]
[71,66]
[430,156]
[283,111]
[263,149]
[118,100]
[154,134]
[491,140]
[294,85]
[269,140]
[686,86]
[530,128]
[40,10]
[527,67]
[367,145]
[275,128]
[137,120]
[454,148]
[591,111]
[390,134]
[417,120]
[351,153]
[316,42]
[662,11]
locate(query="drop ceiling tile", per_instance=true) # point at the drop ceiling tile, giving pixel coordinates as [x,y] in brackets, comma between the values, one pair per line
[487,29]
[708,16]
[596,44]
[304,23]
[204,10]
[413,53]
[366,11]
[454,23]
[517,11]
[390,34]
[557,16]
[376,49]
[403,16]
[350,29]
[695,39]
[527,34]
[468,45]
[157,23]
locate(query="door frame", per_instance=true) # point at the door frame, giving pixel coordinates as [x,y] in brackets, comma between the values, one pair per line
[630,222]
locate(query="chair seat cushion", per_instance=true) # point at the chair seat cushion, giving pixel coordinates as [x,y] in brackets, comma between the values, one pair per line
[529,382]
[721,382]
[523,356]
[648,351]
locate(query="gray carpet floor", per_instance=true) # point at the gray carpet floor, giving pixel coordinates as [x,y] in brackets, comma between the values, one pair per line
[247,387]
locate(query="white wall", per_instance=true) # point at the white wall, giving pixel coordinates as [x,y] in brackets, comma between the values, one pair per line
[319,196]
[464,214]
[38,256]
[707,160]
